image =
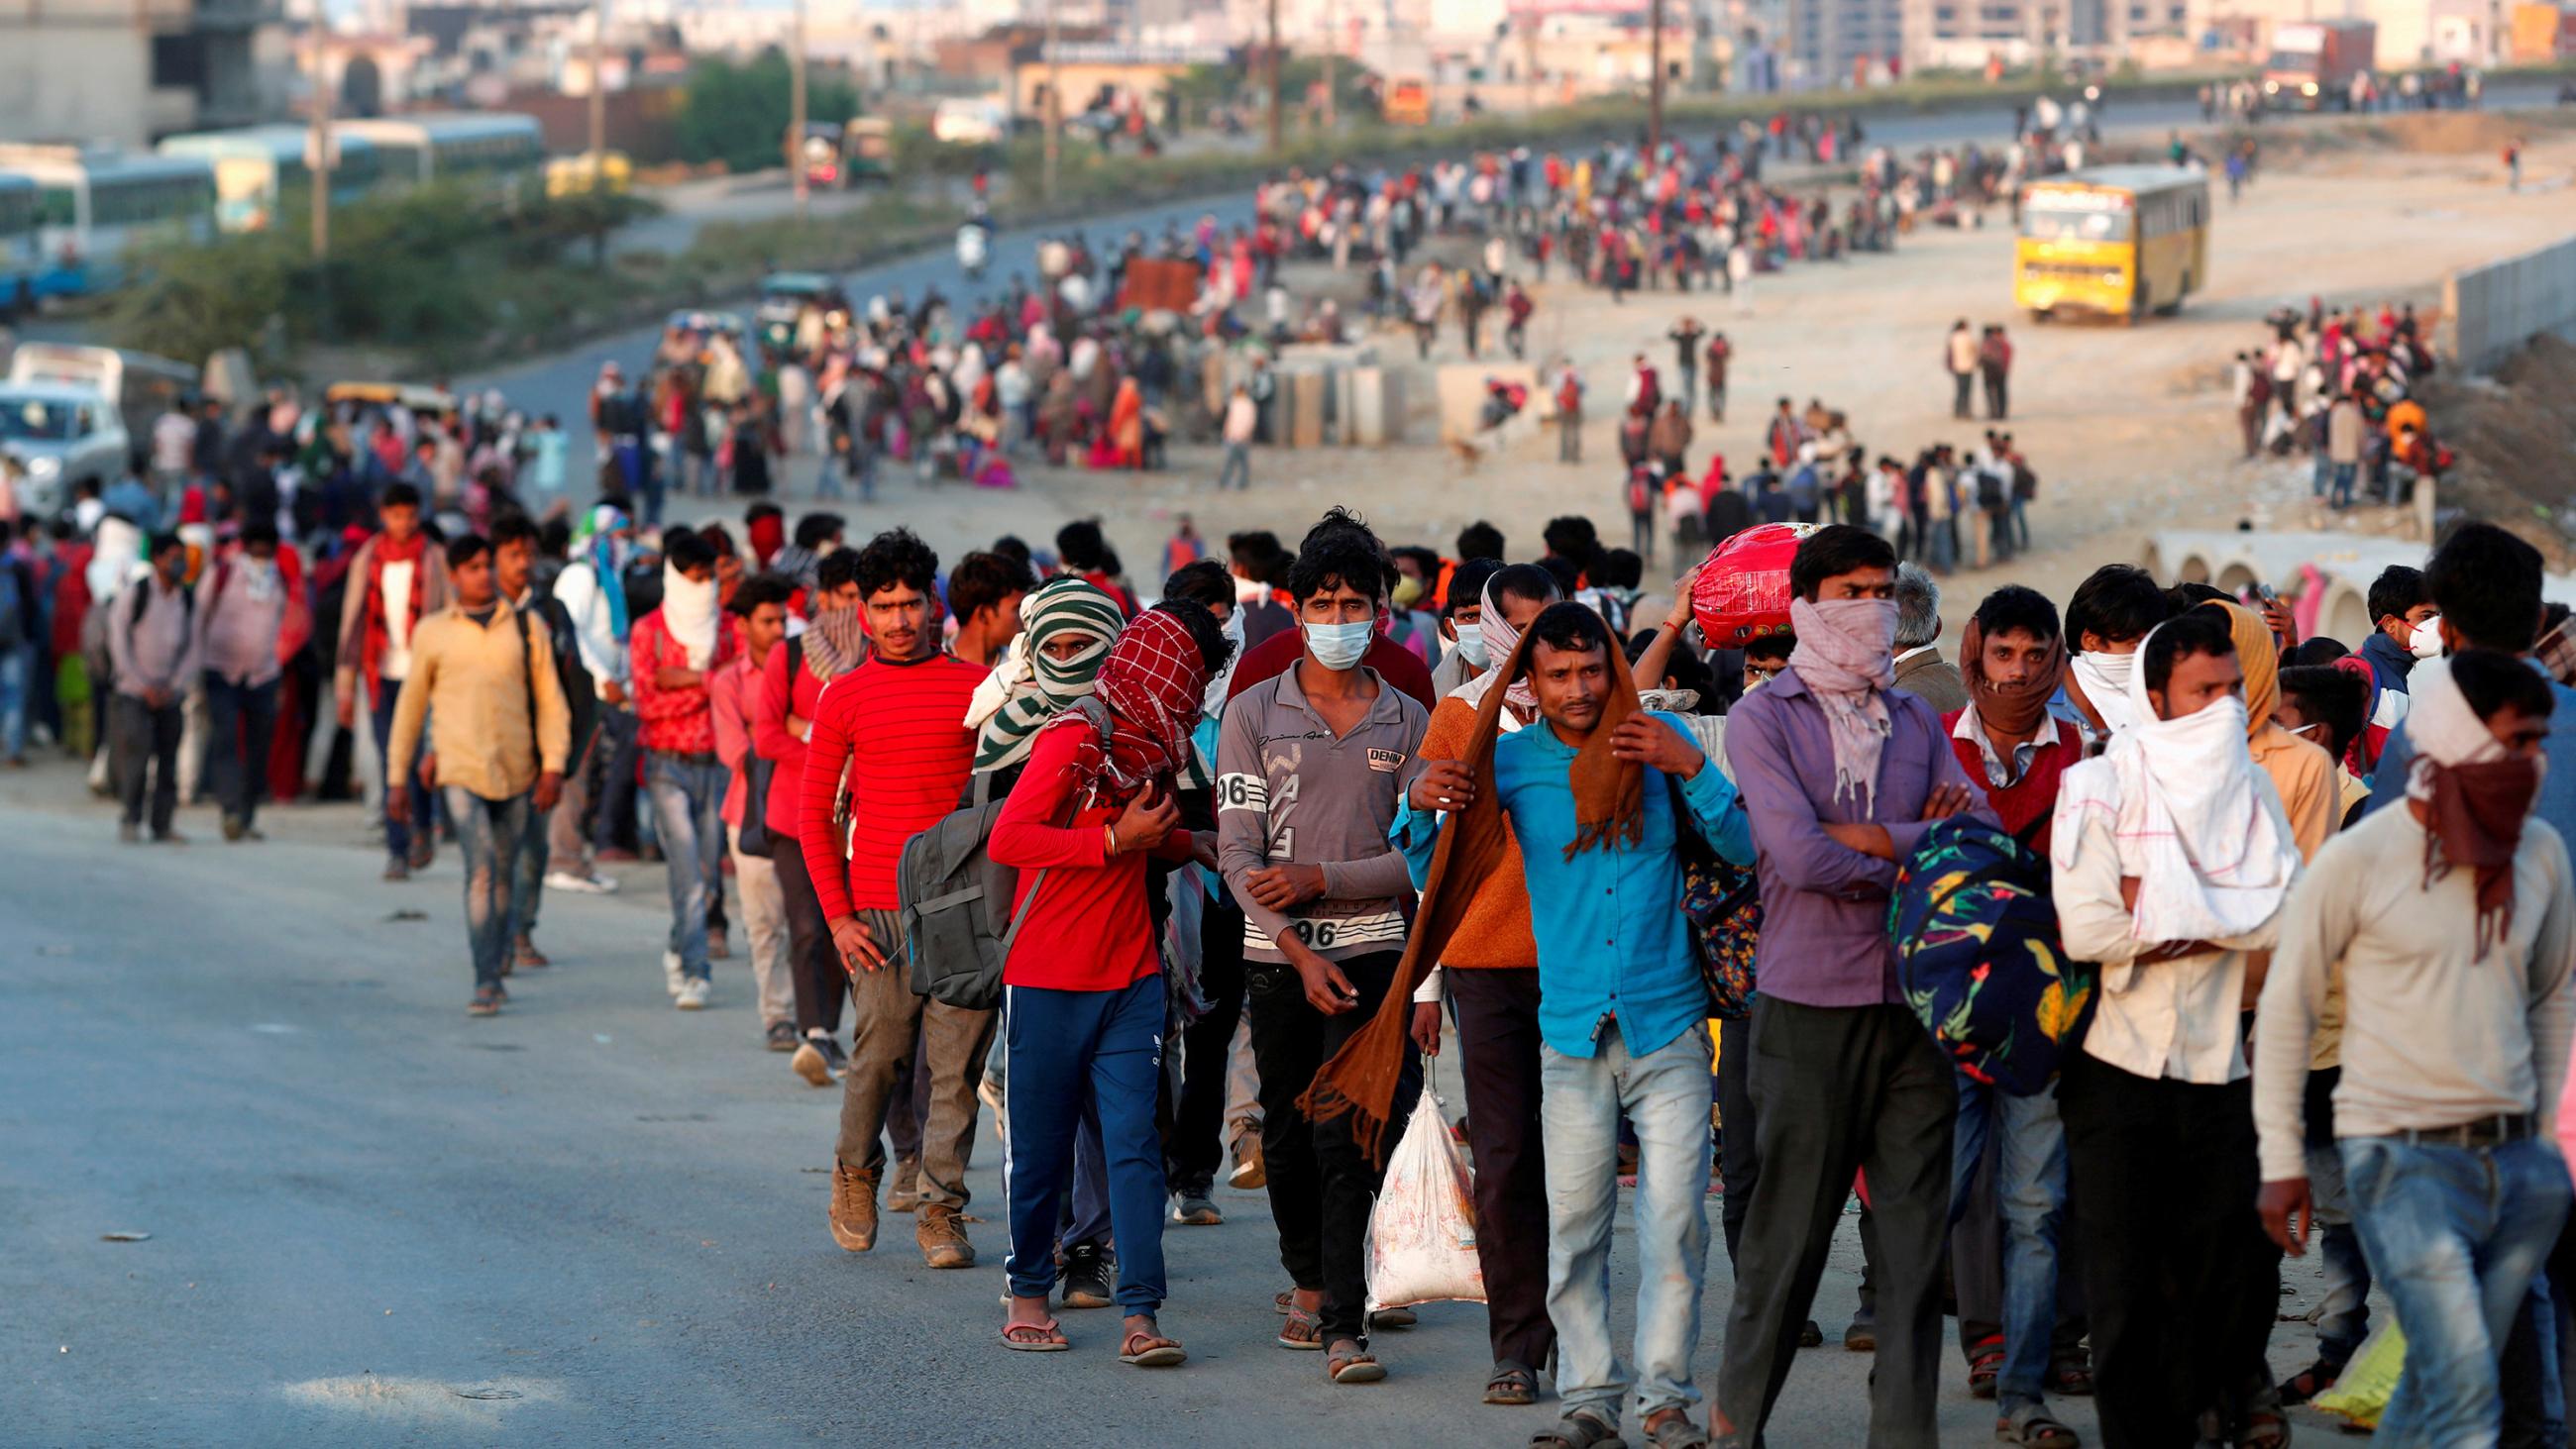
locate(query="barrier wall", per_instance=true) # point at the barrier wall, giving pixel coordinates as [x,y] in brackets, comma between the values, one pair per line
[2489,311]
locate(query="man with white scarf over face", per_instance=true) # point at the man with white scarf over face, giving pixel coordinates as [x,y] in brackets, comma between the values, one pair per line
[1842,773]
[674,649]
[2172,857]
[2106,621]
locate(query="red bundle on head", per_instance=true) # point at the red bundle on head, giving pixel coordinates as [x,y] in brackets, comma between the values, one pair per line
[1742,592]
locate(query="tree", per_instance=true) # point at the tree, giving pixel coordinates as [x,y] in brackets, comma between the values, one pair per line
[737,113]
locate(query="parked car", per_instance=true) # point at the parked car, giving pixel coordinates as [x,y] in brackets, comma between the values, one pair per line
[61,433]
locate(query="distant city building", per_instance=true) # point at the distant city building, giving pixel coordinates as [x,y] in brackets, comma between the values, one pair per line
[1841,42]
[1967,34]
[128,72]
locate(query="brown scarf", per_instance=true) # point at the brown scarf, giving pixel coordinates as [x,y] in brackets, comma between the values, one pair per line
[836,642]
[1609,802]
[2008,709]
[2477,813]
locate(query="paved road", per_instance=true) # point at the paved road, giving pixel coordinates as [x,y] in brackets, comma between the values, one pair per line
[560,384]
[593,1220]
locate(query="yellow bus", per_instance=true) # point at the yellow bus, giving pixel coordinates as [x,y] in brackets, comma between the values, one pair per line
[2116,241]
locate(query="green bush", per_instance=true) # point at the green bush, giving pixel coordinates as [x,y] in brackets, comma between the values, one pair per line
[737,113]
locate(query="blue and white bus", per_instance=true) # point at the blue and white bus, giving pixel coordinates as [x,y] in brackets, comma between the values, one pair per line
[91,205]
[452,145]
[257,166]
[20,256]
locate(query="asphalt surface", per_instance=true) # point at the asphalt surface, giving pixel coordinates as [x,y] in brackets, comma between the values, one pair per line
[592,1220]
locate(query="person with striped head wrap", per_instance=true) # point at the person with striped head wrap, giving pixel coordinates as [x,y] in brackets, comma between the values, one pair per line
[1066,629]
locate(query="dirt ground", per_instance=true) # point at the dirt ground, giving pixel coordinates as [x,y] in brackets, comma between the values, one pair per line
[2129,429]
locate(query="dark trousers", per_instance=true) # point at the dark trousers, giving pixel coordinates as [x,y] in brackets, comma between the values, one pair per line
[615,827]
[140,739]
[1963,394]
[241,718]
[1320,1185]
[1997,394]
[1084,1058]
[2180,1281]
[1739,1159]
[1497,1012]
[813,967]
[1198,1124]
[1839,1091]
[398,833]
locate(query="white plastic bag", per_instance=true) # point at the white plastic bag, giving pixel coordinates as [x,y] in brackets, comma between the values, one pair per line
[1422,1233]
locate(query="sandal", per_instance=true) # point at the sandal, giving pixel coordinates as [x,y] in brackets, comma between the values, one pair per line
[1579,1429]
[2072,1376]
[2265,1426]
[1283,1300]
[1045,1337]
[1303,1330]
[1348,1363]
[1985,1361]
[1512,1385]
[1672,1429]
[1146,1349]
[486,1002]
[2034,1428]
[2309,1382]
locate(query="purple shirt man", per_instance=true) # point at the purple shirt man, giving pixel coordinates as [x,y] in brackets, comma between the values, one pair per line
[1824,904]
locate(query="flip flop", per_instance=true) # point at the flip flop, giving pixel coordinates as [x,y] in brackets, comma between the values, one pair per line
[1050,1337]
[1355,1367]
[1303,1330]
[1157,1351]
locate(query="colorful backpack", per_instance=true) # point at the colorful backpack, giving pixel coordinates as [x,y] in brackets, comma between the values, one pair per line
[1724,906]
[1979,958]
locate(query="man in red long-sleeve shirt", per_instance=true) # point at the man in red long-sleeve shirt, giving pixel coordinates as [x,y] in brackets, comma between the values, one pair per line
[782,710]
[897,726]
[674,649]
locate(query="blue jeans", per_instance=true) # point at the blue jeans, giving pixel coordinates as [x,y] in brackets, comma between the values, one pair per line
[688,805]
[1238,466]
[1665,1095]
[2343,1315]
[17,662]
[2321,474]
[241,720]
[2343,474]
[490,834]
[2456,1235]
[1084,1058]
[527,883]
[398,833]
[616,813]
[2030,1186]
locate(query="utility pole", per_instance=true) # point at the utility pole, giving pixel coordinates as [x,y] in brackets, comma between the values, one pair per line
[796,107]
[1276,82]
[1054,115]
[320,166]
[1655,92]
[1332,52]
[598,94]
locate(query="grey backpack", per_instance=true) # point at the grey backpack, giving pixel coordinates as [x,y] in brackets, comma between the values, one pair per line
[955,899]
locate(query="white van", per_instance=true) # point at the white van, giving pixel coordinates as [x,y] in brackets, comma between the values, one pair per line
[970,121]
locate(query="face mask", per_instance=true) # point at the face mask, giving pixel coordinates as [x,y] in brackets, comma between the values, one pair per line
[2426,641]
[1234,629]
[1471,647]
[1408,592]
[1250,591]
[1339,646]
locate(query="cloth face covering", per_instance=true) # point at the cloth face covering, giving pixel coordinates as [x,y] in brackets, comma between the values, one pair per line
[1030,687]
[1500,641]
[2210,860]
[689,609]
[2104,679]
[2018,709]
[1142,708]
[2475,795]
[1846,656]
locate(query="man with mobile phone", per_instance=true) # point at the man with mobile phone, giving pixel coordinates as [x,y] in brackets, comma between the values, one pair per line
[1310,767]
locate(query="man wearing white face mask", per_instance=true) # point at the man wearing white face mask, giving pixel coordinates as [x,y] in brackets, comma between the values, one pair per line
[2109,617]
[2173,856]
[675,649]
[1310,765]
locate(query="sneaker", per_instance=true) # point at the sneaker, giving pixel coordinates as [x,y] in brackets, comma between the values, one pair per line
[941,1235]
[719,947]
[486,1002]
[903,1190]
[579,883]
[525,953]
[693,994]
[818,1060]
[1191,1207]
[1248,1173]
[396,868]
[1086,1281]
[233,828]
[1811,1336]
[673,978]
[854,1209]
[781,1036]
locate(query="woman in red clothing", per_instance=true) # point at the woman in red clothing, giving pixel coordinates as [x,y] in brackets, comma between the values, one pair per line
[1082,991]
